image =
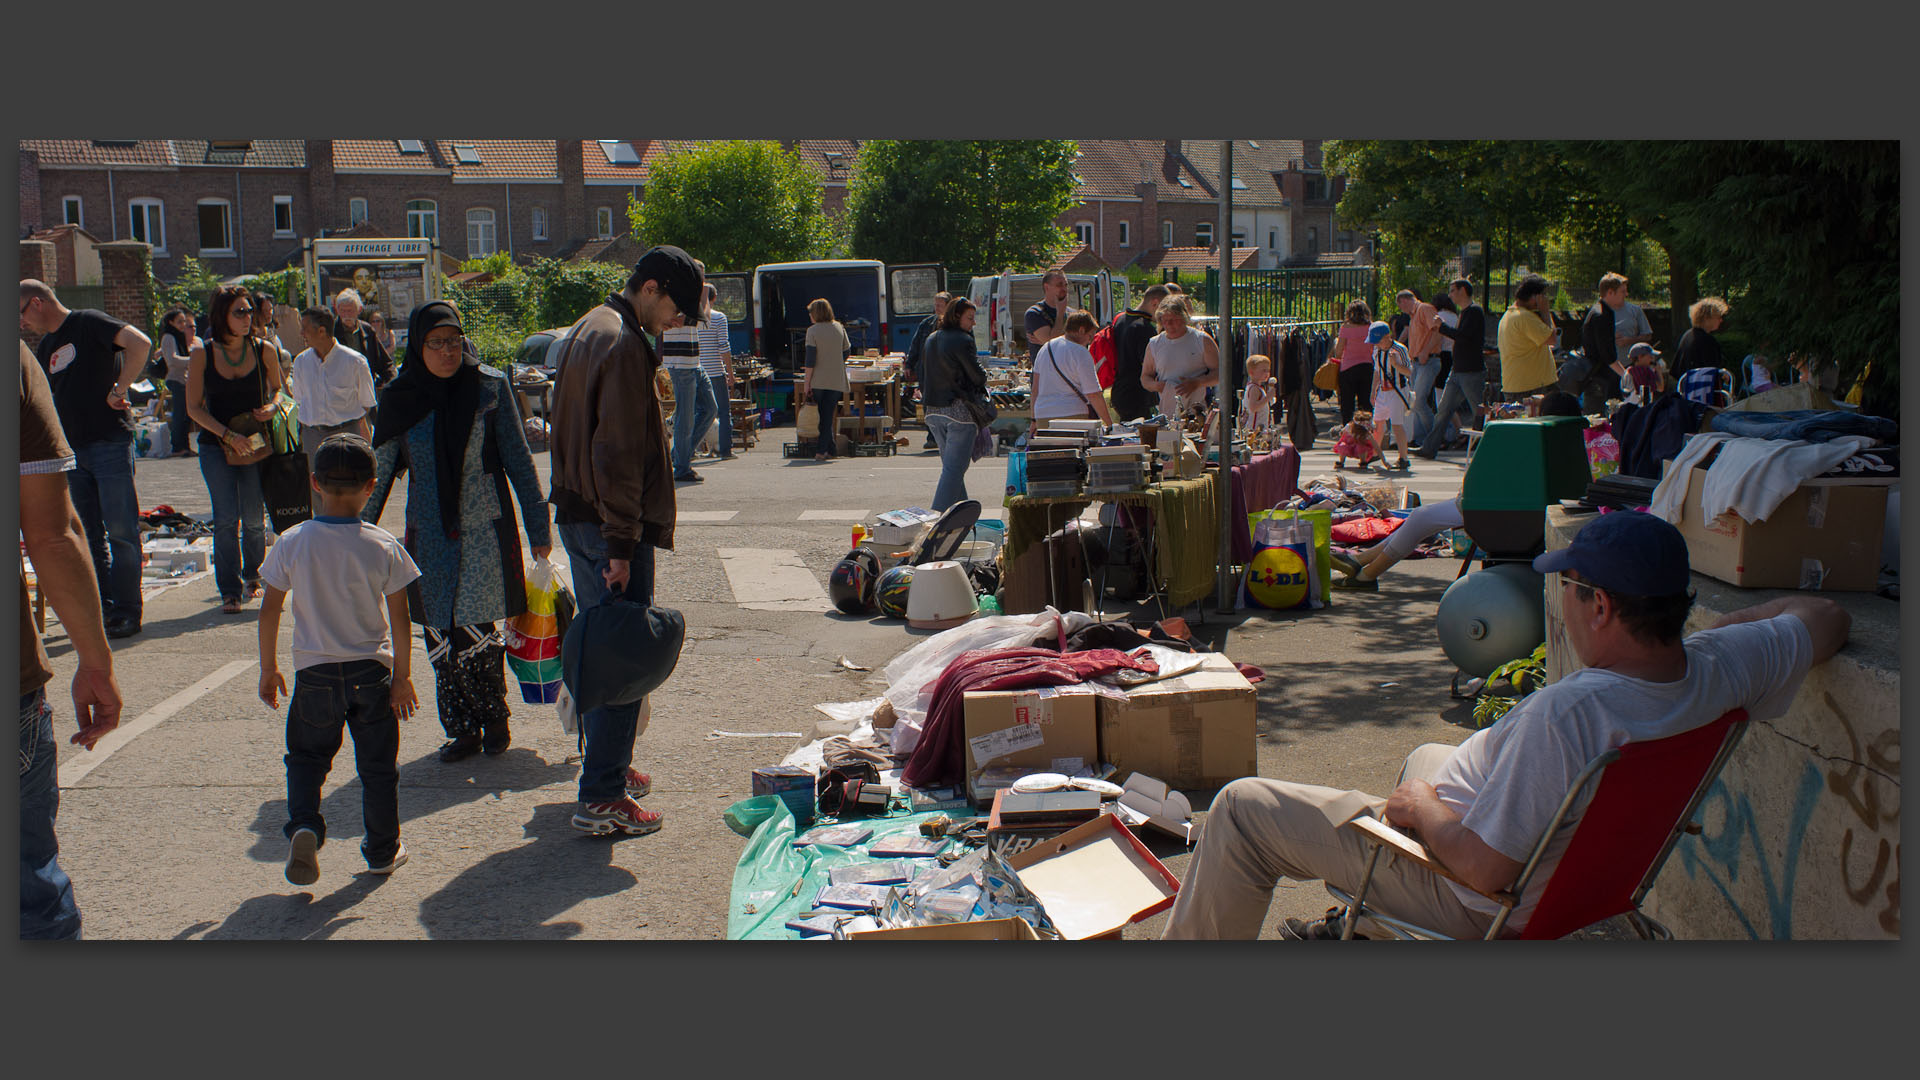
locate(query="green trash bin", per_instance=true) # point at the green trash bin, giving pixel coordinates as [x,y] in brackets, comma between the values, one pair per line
[1519,469]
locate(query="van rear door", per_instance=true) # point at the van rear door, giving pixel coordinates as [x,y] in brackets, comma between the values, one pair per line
[910,290]
[732,294]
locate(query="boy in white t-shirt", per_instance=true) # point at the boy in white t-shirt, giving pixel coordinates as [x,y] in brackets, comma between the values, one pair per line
[341,571]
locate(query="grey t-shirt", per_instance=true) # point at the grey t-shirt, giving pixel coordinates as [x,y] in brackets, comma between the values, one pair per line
[1628,322]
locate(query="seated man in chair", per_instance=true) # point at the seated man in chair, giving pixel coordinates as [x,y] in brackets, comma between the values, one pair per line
[1481,806]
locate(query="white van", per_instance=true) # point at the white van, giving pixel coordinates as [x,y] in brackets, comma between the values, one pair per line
[1000,327]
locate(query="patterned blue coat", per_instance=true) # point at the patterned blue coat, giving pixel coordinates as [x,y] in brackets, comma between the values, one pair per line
[479,577]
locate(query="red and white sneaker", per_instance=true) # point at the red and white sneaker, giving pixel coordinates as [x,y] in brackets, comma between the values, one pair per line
[621,815]
[638,784]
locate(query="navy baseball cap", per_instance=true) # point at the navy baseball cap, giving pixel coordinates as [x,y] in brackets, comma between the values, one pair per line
[1625,552]
[1378,333]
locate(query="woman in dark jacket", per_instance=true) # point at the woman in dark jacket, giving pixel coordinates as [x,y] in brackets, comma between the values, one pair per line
[1698,347]
[455,425]
[951,377]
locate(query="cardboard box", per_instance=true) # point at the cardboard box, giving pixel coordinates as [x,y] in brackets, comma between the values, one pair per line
[983,930]
[793,785]
[1095,879]
[1147,801]
[1009,838]
[1195,731]
[1030,730]
[1825,536]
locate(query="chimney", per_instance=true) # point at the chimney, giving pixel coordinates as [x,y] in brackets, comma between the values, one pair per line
[572,222]
[327,213]
[30,208]
[1149,194]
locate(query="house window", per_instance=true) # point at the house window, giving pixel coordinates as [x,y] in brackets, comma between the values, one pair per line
[147,224]
[1273,239]
[1166,234]
[1343,241]
[70,211]
[1083,232]
[1239,237]
[603,222]
[1313,240]
[412,146]
[1203,234]
[539,223]
[356,212]
[480,235]
[1126,234]
[283,215]
[216,227]
[1316,186]
[423,218]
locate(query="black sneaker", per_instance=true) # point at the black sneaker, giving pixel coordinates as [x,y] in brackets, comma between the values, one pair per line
[1430,455]
[494,741]
[460,749]
[122,626]
[303,857]
[688,477]
[1326,928]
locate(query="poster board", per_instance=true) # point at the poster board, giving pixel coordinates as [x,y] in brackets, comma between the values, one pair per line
[393,274]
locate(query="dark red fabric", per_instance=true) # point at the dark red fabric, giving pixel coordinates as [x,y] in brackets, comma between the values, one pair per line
[1364,530]
[940,757]
[1640,798]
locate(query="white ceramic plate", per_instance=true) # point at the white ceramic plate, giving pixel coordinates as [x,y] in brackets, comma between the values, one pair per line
[1045,781]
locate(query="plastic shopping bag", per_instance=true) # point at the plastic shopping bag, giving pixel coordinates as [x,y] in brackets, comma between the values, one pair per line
[533,636]
[1290,567]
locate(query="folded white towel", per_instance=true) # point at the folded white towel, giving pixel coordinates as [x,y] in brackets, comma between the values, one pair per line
[1673,486]
[1752,477]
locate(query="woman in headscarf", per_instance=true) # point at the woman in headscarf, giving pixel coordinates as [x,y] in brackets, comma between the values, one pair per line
[455,425]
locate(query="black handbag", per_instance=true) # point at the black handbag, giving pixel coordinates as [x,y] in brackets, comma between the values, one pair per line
[285,489]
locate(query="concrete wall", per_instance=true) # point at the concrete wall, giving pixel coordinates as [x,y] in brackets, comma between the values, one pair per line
[1800,835]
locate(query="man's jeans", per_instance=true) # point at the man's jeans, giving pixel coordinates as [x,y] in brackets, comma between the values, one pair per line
[1464,391]
[102,488]
[359,697]
[179,424]
[1425,374]
[611,729]
[723,407]
[239,520]
[693,409]
[46,894]
[955,439]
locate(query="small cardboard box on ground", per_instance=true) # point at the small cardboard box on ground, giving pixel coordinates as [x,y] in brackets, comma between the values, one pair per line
[1014,929]
[1095,879]
[1052,729]
[1194,731]
[1825,536]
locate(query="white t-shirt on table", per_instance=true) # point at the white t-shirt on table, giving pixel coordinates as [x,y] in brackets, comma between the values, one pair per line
[1506,782]
[1065,394]
[338,573]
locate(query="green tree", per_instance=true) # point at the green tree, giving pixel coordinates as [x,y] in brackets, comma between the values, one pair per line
[564,290]
[733,205]
[191,289]
[980,205]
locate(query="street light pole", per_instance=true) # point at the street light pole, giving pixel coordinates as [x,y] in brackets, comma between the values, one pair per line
[1225,393]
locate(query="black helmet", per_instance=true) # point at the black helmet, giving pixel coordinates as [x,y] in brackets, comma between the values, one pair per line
[851,585]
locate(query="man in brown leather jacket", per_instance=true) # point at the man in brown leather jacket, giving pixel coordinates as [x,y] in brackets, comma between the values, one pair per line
[613,493]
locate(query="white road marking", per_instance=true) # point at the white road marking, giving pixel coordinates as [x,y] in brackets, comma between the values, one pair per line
[763,579]
[76,768]
[833,515]
[707,516]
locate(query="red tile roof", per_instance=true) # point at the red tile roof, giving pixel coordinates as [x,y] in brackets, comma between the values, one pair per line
[503,159]
[1111,167]
[383,155]
[1255,161]
[1078,259]
[261,153]
[814,152]
[143,154]
[1195,260]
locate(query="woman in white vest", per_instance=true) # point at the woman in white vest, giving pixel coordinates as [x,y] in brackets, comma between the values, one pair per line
[1181,362]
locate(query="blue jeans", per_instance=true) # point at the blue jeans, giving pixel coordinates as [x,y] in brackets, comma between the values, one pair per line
[693,409]
[1425,374]
[828,402]
[102,488]
[179,424]
[328,698]
[955,439]
[1464,390]
[239,520]
[610,730]
[723,408]
[46,893]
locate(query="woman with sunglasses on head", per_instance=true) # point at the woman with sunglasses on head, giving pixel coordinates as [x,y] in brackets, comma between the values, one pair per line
[454,428]
[232,380]
[177,340]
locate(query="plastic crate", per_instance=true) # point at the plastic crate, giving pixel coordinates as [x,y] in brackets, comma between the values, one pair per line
[879,449]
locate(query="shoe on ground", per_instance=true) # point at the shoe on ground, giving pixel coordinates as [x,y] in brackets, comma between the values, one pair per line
[688,477]
[399,859]
[303,857]
[122,626]
[459,749]
[495,743]
[1338,464]
[729,457]
[231,606]
[1430,455]
[1343,564]
[1326,928]
[621,815]
[639,784]
[1357,584]
[1403,464]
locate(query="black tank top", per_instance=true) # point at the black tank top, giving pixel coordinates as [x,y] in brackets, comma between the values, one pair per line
[228,398]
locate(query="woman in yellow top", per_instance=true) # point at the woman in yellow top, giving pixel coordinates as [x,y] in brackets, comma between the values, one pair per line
[1526,341]
[826,378]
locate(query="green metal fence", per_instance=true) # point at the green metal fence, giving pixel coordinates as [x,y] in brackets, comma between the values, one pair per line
[1308,294]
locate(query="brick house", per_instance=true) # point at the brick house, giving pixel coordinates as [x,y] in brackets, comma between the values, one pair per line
[1139,195]
[1283,199]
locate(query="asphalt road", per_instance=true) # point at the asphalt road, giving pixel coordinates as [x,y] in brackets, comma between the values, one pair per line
[175,832]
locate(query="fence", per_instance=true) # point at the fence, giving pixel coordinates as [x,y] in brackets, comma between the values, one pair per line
[1306,294]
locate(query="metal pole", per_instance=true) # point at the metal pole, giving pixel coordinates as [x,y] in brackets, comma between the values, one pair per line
[1226,394]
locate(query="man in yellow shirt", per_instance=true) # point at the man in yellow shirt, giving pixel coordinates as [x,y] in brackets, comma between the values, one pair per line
[1526,339]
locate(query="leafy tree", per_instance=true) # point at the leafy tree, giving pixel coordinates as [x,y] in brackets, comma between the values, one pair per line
[190,290]
[563,291]
[733,205]
[980,204]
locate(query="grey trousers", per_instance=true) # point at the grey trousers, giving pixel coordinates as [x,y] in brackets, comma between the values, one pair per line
[311,437]
[1260,830]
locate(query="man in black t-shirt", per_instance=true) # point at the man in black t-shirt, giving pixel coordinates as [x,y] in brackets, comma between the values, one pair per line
[82,355]
[1131,332]
[1047,319]
[1467,382]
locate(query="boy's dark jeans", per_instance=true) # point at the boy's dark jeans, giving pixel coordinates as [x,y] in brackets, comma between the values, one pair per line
[358,696]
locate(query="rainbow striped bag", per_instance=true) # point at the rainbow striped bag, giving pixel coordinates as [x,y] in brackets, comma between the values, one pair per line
[533,636]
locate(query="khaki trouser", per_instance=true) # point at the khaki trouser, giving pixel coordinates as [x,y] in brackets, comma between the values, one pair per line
[1261,830]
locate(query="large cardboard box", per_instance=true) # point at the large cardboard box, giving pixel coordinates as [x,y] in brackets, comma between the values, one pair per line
[1195,731]
[1095,879]
[1825,536]
[1044,730]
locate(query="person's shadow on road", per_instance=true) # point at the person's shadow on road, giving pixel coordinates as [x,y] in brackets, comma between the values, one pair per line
[512,894]
[297,917]
[427,786]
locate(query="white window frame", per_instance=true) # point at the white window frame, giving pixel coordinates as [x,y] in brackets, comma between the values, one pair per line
[79,215]
[428,213]
[1166,233]
[226,208]
[1126,234]
[1206,240]
[603,222]
[539,223]
[1239,237]
[356,211]
[488,241]
[278,202]
[159,217]
[1083,232]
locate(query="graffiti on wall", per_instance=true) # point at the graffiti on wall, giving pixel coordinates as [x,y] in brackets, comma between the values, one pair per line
[1736,848]
[1855,782]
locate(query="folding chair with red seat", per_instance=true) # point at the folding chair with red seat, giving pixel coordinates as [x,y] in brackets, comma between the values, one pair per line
[1645,800]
